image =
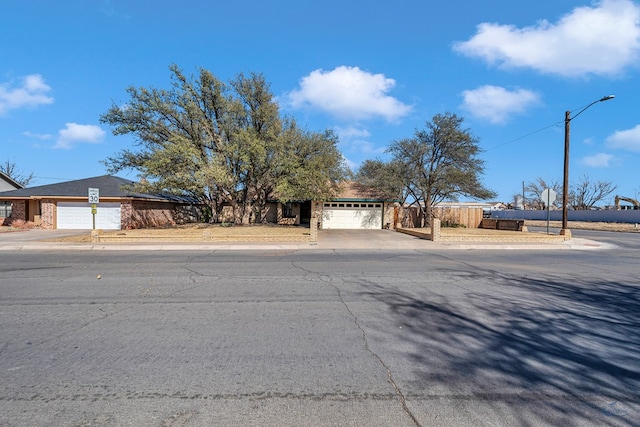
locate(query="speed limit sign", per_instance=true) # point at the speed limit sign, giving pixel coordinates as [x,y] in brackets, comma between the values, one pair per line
[94,195]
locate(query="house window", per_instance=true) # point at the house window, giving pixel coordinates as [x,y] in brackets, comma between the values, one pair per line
[288,210]
[348,205]
[5,209]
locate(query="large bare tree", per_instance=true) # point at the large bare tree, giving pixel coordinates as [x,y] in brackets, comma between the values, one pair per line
[10,169]
[533,192]
[585,194]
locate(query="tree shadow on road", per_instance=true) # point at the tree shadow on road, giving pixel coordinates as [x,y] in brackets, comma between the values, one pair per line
[567,345]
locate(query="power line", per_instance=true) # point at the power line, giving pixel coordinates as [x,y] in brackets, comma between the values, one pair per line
[525,136]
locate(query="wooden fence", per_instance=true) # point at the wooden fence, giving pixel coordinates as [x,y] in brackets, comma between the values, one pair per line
[449,217]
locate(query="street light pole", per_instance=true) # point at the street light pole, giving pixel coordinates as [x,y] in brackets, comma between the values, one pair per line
[565,181]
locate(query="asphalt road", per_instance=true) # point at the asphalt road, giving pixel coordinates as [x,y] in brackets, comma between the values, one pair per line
[362,338]
[624,240]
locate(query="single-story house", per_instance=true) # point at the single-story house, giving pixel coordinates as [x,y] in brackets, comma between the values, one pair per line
[355,207]
[65,205]
[7,184]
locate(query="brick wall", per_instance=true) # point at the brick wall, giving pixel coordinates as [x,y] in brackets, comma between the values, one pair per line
[18,210]
[143,214]
[388,215]
[126,215]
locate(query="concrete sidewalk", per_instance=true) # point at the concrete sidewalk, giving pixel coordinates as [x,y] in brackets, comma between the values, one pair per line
[327,240]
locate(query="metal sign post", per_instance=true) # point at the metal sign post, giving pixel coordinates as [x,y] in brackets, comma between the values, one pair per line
[94,199]
[94,211]
[548,196]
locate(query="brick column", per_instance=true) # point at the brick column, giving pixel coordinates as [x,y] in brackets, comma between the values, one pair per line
[435,229]
[48,214]
[313,226]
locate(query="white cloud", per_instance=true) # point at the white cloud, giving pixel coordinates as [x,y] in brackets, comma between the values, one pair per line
[625,139]
[354,139]
[600,40]
[350,164]
[496,103]
[600,160]
[74,132]
[349,93]
[40,136]
[30,93]
[351,132]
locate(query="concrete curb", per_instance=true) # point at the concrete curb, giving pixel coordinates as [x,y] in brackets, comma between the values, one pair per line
[40,246]
[573,244]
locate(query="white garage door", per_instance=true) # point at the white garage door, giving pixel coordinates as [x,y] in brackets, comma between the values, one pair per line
[77,216]
[352,215]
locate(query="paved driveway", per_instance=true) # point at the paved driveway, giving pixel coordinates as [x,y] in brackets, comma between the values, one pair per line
[37,235]
[369,239]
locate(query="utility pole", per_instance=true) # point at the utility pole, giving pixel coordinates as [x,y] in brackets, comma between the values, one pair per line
[565,180]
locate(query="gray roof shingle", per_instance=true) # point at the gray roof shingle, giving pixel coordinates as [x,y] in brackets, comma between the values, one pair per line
[109,186]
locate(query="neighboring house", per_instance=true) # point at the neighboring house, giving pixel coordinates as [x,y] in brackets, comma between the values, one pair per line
[7,184]
[355,207]
[66,205]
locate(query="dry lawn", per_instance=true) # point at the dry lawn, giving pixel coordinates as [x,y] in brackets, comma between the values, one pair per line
[202,232]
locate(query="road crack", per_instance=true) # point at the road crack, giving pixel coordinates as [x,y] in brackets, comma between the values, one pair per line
[396,389]
[390,379]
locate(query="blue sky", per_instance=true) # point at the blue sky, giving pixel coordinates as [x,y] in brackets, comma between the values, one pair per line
[374,71]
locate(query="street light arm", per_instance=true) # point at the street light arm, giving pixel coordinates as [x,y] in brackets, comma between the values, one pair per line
[604,98]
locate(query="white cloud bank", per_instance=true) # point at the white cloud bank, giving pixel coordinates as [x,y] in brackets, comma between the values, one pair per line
[625,139]
[349,93]
[75,133]
[30,93]
[599,160]
[599,40]
[496,104]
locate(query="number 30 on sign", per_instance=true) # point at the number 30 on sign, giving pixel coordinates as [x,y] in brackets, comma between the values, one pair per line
[94,195]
